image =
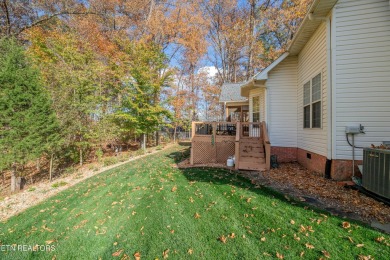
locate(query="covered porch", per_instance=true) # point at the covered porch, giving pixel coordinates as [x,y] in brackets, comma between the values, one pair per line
[215,142]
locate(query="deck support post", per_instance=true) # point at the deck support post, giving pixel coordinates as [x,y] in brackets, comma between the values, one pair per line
[237,145]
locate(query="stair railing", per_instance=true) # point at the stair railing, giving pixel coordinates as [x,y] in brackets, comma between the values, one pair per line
[267,146]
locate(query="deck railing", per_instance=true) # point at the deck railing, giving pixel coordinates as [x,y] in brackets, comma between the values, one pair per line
[216,128]
[250,129]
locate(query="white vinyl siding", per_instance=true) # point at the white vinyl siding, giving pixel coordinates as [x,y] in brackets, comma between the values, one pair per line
[311,62]
[361,60]
[282,102]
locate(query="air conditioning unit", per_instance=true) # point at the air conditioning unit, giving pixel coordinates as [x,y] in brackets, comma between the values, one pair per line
[376,171]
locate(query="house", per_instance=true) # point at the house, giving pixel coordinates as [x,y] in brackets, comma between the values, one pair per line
[334,77]
[236,107]
[335,74]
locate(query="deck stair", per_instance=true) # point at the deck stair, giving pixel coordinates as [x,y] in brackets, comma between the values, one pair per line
[251,147]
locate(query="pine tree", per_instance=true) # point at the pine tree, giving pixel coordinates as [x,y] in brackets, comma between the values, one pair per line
[28,126]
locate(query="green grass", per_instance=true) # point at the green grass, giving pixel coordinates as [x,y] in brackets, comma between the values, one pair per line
[59,184]
[149,206]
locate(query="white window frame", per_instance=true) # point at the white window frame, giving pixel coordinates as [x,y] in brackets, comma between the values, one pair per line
[308,102]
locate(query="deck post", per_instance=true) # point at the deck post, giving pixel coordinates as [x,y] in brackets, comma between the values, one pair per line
[192,143]
[237,145]
[214,145]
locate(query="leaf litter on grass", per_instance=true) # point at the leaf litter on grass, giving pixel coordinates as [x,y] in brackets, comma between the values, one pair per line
[227,212]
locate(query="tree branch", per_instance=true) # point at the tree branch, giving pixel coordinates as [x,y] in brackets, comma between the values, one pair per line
[48,18]
[6,11]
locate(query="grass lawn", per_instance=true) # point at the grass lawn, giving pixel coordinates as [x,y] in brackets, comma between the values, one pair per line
[151,209]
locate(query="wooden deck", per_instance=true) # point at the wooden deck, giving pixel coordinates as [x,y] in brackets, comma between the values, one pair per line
[215,142]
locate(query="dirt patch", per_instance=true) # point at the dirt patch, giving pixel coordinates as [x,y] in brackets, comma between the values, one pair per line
[294,180]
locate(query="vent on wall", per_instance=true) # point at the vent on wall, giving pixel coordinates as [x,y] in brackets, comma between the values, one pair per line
[376,171]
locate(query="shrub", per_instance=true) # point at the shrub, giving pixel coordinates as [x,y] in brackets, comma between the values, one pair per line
[59,184]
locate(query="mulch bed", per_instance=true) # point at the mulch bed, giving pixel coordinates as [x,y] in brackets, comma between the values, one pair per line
[294,180]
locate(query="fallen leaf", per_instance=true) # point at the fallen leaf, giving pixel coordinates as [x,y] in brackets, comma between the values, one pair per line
[223,239]
[196,215]
[125,257]
[346,225]
[301,254]
[172,231]
[165,253]
[309,246]
[50,241]
[292,222]
[363,257]
[47,229]
[190,251]
[359,245]
[302,229]
[137,256]
[232,235]
[248,200]
[350,239]
[174,188]
[262,239]
[379,239]
[279,256]
[118,253]
[326,253]
[297,238]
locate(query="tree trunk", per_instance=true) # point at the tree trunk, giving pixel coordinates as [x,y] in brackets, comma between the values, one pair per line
[174,133]
[3,173]
[81,156]
[13,179]
[38,164]
[51,167]
[157,138]
[143,141]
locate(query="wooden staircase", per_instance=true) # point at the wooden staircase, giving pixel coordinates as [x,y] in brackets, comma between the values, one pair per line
[252,147]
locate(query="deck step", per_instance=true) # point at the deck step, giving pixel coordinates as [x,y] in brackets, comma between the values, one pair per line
[254,159]
[251,160]
[252,166]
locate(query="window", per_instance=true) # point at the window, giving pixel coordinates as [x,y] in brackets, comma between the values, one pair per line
[312,109]
[256,109]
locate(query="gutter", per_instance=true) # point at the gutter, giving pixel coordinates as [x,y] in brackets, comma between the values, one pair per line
[311,10]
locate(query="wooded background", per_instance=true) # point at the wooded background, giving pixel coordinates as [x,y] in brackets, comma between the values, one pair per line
[78,77]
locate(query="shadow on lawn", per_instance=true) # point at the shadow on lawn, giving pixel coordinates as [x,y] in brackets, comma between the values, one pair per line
[220,176]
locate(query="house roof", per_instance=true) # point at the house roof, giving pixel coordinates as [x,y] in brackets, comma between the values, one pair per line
[314,17]
[318,10]
[230,92]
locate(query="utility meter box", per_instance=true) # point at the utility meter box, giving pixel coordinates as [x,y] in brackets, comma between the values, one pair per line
[353,130]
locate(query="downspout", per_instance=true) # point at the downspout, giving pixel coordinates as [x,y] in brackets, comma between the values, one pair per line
[328,21]
[328,166]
